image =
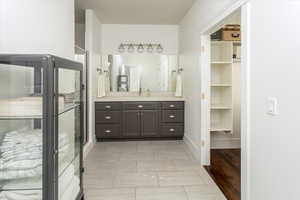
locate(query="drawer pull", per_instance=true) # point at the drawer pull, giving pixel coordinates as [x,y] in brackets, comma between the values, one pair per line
[172,130]
[108,107]
[108,117]
[172,106]
[108,131]
[140,106]
[172,116]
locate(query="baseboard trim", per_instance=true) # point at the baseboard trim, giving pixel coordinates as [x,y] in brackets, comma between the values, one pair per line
[87,148]
[195,150]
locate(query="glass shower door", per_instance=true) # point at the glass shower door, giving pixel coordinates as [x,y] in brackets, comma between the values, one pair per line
[69,133]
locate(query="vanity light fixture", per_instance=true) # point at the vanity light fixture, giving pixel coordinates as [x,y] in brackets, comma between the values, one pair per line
[121,48]
[159,49]
[150,48]
[140,47]
[130,48]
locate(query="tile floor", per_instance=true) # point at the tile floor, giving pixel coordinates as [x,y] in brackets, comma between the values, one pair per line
[146,170]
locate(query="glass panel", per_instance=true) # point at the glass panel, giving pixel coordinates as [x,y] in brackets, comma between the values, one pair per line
[69,132]
[21,146]
[69,89]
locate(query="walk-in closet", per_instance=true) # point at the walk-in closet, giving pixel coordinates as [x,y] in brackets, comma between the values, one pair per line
[224,109]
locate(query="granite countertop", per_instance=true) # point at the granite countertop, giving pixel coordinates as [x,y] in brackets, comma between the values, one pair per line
[138,98]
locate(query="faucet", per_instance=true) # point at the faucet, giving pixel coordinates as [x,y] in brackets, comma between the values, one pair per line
[140,91]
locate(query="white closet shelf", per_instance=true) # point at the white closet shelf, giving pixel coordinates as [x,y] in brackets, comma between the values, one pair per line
[221,62]
[220,85]
[220,130]
[221,108]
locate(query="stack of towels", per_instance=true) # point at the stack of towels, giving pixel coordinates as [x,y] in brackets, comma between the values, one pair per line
[21,163]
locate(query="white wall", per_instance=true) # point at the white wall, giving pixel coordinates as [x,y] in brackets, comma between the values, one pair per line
[93,46]
[35,26]
[275,140]
[190,29]
[115,34]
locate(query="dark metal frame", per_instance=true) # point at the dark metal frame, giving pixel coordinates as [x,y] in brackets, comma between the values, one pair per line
[50,65]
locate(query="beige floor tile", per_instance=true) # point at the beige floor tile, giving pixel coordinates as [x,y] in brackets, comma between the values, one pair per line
[113,166]
[111,194]
[136,179]
[203,189]
[196,196]
[179,178]
[161,193]
[155,165]
[137,156]
[163,155]
[186,165]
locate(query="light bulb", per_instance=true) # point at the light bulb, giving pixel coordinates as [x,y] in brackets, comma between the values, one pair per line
[150,48]
[121,48]
[140,48]
[131,48]
[159,49]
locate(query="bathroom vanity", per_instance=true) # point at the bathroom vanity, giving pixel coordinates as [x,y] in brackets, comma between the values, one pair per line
[139,118]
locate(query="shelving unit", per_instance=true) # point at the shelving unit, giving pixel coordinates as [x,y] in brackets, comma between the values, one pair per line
[41,128]
[221,110]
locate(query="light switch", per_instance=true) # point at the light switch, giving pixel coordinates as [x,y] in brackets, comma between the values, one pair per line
[272,106]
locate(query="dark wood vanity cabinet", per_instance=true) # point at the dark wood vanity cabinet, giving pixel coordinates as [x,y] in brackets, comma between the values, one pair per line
[139,120]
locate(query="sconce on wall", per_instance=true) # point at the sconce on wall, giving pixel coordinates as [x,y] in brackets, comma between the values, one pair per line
[140,48]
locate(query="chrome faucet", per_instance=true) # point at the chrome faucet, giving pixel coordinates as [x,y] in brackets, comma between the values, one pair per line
[140,91]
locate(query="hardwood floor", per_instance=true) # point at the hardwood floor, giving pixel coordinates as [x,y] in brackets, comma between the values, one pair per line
[225,169]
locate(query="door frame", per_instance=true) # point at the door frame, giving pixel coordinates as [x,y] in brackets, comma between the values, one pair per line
[245,6]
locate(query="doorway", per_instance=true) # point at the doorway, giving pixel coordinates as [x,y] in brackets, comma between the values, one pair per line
[224,104]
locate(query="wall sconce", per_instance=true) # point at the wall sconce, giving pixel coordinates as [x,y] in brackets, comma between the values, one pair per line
[140,47]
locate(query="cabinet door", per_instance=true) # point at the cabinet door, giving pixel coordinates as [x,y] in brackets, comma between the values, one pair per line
[131,123]
[149,123]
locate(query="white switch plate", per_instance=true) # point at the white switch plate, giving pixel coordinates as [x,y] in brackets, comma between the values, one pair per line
[272,106]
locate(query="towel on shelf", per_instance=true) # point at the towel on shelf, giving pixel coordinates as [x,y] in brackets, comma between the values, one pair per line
[178,92]
[21,153]
[101,85]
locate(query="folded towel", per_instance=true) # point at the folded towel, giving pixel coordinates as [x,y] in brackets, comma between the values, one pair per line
[101,85]
[22,153]
[178,92]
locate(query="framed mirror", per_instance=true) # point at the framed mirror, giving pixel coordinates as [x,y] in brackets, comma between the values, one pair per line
[140,72]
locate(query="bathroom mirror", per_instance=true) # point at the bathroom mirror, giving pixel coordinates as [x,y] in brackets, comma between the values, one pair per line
[143,72]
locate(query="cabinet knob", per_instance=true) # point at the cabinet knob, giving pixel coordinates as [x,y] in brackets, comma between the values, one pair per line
[108,107]
[108,117]
[172,116]
[172,106]
[140,106]
[172,130]
[108,131]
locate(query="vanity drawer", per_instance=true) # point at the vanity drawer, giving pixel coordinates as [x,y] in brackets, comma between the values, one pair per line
[106,117]
[172,130]
[173,105]
[173,116]
[108,106]
[141,106]
[108,131]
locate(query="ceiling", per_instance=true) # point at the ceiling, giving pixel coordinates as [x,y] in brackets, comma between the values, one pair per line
[138,11]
